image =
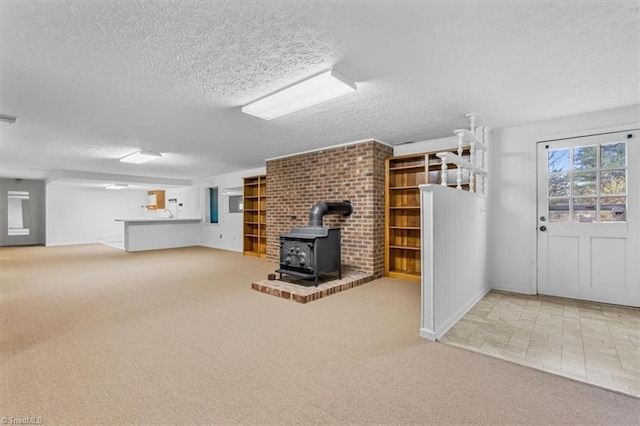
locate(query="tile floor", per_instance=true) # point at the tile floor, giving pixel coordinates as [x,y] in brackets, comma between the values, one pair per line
[591,342]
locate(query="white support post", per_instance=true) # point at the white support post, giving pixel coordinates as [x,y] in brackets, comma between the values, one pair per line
[472,122]
[472,158]
[443,176]
[480,159]
[459,171]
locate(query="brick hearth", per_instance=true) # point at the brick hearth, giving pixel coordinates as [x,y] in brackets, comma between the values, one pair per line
[303,291]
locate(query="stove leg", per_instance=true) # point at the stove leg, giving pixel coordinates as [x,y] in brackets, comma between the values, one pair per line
[315,282]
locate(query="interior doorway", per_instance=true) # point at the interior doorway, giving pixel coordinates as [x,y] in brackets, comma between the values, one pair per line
[22,212]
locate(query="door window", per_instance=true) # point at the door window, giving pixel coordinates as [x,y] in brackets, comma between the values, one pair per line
[588,183]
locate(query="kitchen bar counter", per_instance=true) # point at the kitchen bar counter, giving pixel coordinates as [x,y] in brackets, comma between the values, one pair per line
[160,233]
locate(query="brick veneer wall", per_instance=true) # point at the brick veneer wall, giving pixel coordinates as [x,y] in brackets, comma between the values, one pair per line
[352,172]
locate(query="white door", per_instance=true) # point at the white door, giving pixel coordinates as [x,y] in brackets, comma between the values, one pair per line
[589,218]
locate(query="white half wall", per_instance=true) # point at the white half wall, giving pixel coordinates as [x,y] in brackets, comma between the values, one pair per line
[513,196]
[83,215]
[454,256]
[228,232]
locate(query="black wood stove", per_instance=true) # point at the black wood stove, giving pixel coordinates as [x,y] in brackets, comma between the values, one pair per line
[314,250]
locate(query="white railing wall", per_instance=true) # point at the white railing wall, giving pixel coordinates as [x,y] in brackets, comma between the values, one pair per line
[475,138]
[454,256]
[454,235]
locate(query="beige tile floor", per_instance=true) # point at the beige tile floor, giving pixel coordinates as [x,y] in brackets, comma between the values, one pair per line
[591,342]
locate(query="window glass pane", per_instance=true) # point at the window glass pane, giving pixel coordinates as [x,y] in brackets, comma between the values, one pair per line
[235,203]
[584,210]
[559,210]
[18,212]
[613,182]
[558,160]
[559,185]
[613,209]
[613,155]
[213,205]
[584,157]
[584,183]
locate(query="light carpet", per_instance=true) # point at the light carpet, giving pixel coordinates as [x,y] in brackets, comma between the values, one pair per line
[93,335]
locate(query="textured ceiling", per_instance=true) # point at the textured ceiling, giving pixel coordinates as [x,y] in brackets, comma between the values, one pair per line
[94,81]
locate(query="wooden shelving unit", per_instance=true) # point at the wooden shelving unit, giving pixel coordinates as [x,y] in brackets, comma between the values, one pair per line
[255,216]
[156,200]
[402,210]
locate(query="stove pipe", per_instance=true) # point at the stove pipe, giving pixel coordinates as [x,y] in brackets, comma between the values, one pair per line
[321,208]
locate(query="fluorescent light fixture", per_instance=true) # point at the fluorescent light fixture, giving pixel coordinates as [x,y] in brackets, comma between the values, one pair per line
[117,186]
[319,88]
[8,118]
[140,157]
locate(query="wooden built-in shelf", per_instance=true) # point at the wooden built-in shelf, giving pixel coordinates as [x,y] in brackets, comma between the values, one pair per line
[403,177]
[254,216]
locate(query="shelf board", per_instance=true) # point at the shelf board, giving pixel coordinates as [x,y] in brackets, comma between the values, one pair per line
[404,275]
[252,197]
[469,137]
[251,235]
[403,271]
[450,157]
[405,248]
[403,207]
[396,188]
[414,167]
[405,227]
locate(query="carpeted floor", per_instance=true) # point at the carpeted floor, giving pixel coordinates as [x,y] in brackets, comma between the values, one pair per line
[94,335]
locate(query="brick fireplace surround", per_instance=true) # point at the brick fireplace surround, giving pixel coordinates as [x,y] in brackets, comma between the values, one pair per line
[352,172]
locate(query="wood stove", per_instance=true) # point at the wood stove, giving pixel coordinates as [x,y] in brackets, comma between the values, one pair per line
[314,250]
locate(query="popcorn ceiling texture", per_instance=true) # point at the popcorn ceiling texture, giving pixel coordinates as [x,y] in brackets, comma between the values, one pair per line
[94,81]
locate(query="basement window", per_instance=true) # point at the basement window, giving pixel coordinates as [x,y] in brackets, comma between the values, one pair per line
[235,203]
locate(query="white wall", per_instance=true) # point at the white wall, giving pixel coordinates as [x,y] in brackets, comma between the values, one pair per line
[454,256]
[188,196]
[81,215]
[512,191]
[36,189]
[426,146]
[227,234]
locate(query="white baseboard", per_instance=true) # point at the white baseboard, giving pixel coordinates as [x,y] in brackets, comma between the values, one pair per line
[450,322]
[427,334]
[442,329]
[512,289]
[75,243]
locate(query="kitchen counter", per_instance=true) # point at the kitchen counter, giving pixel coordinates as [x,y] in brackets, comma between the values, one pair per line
[154,233]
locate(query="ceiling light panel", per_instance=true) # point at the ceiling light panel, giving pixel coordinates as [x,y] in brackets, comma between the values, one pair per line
[140,157]
[312,91]
[117,186]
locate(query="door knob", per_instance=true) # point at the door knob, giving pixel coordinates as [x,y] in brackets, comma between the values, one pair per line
[543,228]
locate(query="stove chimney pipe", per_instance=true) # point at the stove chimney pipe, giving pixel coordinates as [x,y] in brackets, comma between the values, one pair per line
[321,208]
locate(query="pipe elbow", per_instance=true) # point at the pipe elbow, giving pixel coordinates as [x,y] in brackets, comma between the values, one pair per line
[321,208]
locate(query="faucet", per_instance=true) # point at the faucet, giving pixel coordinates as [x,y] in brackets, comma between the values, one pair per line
[170,213]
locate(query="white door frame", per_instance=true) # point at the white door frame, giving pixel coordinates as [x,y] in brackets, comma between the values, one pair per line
[551,138]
